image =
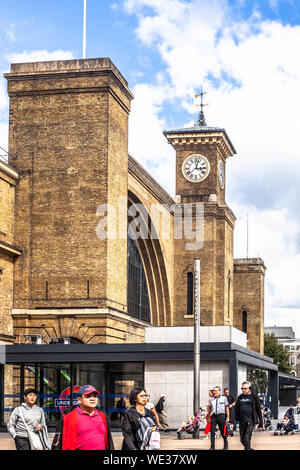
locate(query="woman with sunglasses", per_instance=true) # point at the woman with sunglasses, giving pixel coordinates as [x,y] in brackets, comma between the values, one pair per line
[135,420]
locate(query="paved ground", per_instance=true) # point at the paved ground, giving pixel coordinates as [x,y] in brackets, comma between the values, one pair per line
[261,441]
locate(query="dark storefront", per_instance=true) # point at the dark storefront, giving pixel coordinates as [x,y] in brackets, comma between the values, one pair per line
[58,382]
[289,389]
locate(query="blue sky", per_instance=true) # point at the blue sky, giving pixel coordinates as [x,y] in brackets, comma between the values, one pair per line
[244,53]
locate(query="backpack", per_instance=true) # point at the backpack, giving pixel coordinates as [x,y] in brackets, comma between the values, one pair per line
[148,434]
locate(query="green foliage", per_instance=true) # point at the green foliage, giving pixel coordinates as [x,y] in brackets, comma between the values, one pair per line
[278,353]
[259,379]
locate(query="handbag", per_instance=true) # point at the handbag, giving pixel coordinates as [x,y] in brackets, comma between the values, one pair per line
[228,429]
[34,438]
[154,442]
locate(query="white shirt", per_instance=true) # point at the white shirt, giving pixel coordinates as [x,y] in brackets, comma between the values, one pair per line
[149,405]
[218,405]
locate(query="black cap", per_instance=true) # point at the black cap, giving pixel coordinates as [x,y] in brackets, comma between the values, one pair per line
[30,390]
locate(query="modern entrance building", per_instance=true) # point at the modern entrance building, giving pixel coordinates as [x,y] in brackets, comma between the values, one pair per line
[163,364]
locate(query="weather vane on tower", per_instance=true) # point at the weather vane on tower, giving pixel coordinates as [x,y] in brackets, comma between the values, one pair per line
[201,119]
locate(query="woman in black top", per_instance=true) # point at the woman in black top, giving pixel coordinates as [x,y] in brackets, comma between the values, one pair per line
[131,422]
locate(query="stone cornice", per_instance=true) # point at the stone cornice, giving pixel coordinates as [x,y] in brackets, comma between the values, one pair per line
[249,265]
[9,250]
[7,173]
[218,138]
[78,313]
[108,73]
[4,339]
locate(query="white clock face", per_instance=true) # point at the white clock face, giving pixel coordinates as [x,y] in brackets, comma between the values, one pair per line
[195,168]
[221,174]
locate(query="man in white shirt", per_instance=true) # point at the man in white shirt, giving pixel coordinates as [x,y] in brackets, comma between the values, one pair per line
[219,414]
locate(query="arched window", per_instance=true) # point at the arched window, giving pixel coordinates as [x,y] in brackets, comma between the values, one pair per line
[244,321]
[190,294]
[137,292]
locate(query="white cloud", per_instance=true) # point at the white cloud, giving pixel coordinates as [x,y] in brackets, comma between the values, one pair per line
[145,134]
[250,71]
[11,33]
[3,137]
[3,95]
[273,4]
[39,55]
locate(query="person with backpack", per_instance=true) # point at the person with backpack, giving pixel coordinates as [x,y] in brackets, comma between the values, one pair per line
[27,424]
[138,425]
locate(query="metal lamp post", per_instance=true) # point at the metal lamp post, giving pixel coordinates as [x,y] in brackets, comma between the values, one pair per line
[196,335]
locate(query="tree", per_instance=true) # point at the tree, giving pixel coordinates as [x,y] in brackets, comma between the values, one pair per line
[278,353]
[259,379]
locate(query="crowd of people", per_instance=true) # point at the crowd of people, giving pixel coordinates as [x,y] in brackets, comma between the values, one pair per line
[84,427]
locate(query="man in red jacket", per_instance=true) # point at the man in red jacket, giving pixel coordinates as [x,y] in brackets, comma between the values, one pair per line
[84,427]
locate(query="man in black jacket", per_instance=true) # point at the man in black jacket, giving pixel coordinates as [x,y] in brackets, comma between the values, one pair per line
[248,413]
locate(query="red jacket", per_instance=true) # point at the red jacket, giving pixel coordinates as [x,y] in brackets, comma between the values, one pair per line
[70,427]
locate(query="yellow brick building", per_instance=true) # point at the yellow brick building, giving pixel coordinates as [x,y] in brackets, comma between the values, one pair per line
[70,180]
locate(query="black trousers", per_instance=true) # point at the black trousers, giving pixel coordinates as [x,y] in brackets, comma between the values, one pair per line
[22,443]
[219,420]
[246,434]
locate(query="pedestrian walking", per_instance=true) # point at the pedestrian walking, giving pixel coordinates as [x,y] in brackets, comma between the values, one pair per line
[162,416]
[231,402]
[138,423]
[207,428]
[150,406]
[27,424]
[297,413]
[219,414]
[248,413]
[84,427]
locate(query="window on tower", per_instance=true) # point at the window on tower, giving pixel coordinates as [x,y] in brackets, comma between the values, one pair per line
[190,293]
[244,321]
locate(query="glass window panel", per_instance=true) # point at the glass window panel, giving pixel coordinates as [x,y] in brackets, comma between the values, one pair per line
[53,379]
[122,378]
[13,396]
[137,291]
[114,381]
[92,374]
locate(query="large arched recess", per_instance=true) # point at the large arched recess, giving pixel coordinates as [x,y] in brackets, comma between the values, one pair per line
[154,267]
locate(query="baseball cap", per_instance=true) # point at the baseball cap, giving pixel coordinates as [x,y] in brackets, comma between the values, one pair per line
[163,395]
[86,390]
[30,390]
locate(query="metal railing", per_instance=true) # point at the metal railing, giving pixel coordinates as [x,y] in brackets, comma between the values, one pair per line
[7,158]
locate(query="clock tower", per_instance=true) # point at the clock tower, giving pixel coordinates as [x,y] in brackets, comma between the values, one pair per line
[201,154]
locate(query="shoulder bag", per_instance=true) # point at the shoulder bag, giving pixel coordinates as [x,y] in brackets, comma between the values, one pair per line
[34,438]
